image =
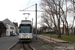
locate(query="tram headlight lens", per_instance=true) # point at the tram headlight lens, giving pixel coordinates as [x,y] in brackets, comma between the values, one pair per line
[21,37]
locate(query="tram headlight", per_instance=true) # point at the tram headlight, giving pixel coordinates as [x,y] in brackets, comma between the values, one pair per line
[27,37]
[21,37]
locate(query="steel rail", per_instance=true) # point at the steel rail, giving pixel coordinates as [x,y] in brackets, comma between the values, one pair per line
[30,46]
[26,46]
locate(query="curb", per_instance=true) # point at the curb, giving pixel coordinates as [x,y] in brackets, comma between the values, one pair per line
[54,39]
[3,37]
[46,40]
[13,45]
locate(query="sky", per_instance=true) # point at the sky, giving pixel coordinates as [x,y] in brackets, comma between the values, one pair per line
[70,14]
[10,9]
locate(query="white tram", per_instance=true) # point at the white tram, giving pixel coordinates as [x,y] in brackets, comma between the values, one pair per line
[25,30]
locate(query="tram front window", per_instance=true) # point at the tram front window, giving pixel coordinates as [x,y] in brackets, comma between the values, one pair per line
[25,29]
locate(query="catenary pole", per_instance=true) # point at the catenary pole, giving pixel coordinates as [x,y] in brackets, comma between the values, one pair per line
[32,25]
[36,18]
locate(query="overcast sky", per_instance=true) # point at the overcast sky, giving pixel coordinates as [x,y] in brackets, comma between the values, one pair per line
[10,9]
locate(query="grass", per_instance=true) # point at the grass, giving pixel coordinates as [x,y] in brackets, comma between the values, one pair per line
[70,38]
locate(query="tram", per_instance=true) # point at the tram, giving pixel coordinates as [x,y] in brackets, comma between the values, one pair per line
[25,30]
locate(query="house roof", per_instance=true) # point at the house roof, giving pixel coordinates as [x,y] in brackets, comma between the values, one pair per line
[7,21]
[2,26]
[16,24]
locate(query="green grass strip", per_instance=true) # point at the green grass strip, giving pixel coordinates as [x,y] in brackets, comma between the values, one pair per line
[70,38]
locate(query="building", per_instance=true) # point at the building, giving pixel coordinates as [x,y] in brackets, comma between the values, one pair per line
[2,29]
[47,30]
[16,27]
[10,27]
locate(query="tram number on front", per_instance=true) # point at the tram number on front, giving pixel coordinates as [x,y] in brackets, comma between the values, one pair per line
[24,36]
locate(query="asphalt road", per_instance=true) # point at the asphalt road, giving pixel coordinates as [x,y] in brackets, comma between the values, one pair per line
[6,42]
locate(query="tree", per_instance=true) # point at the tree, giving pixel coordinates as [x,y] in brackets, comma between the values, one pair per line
[54,14]
[46,20]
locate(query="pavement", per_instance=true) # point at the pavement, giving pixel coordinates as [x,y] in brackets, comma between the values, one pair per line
[38,44]
[6,42]
[53,39]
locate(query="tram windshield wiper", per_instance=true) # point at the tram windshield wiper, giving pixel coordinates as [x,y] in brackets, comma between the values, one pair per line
[23,30]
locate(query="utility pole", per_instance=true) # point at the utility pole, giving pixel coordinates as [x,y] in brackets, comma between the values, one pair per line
[36,18]
[32,25]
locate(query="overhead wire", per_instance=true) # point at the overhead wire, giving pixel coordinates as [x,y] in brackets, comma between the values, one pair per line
[29,7]
[28,3]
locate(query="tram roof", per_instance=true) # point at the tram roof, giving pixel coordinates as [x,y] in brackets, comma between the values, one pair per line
[25,21]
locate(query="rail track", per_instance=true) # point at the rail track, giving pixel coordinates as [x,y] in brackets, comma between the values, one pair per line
[26,46]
